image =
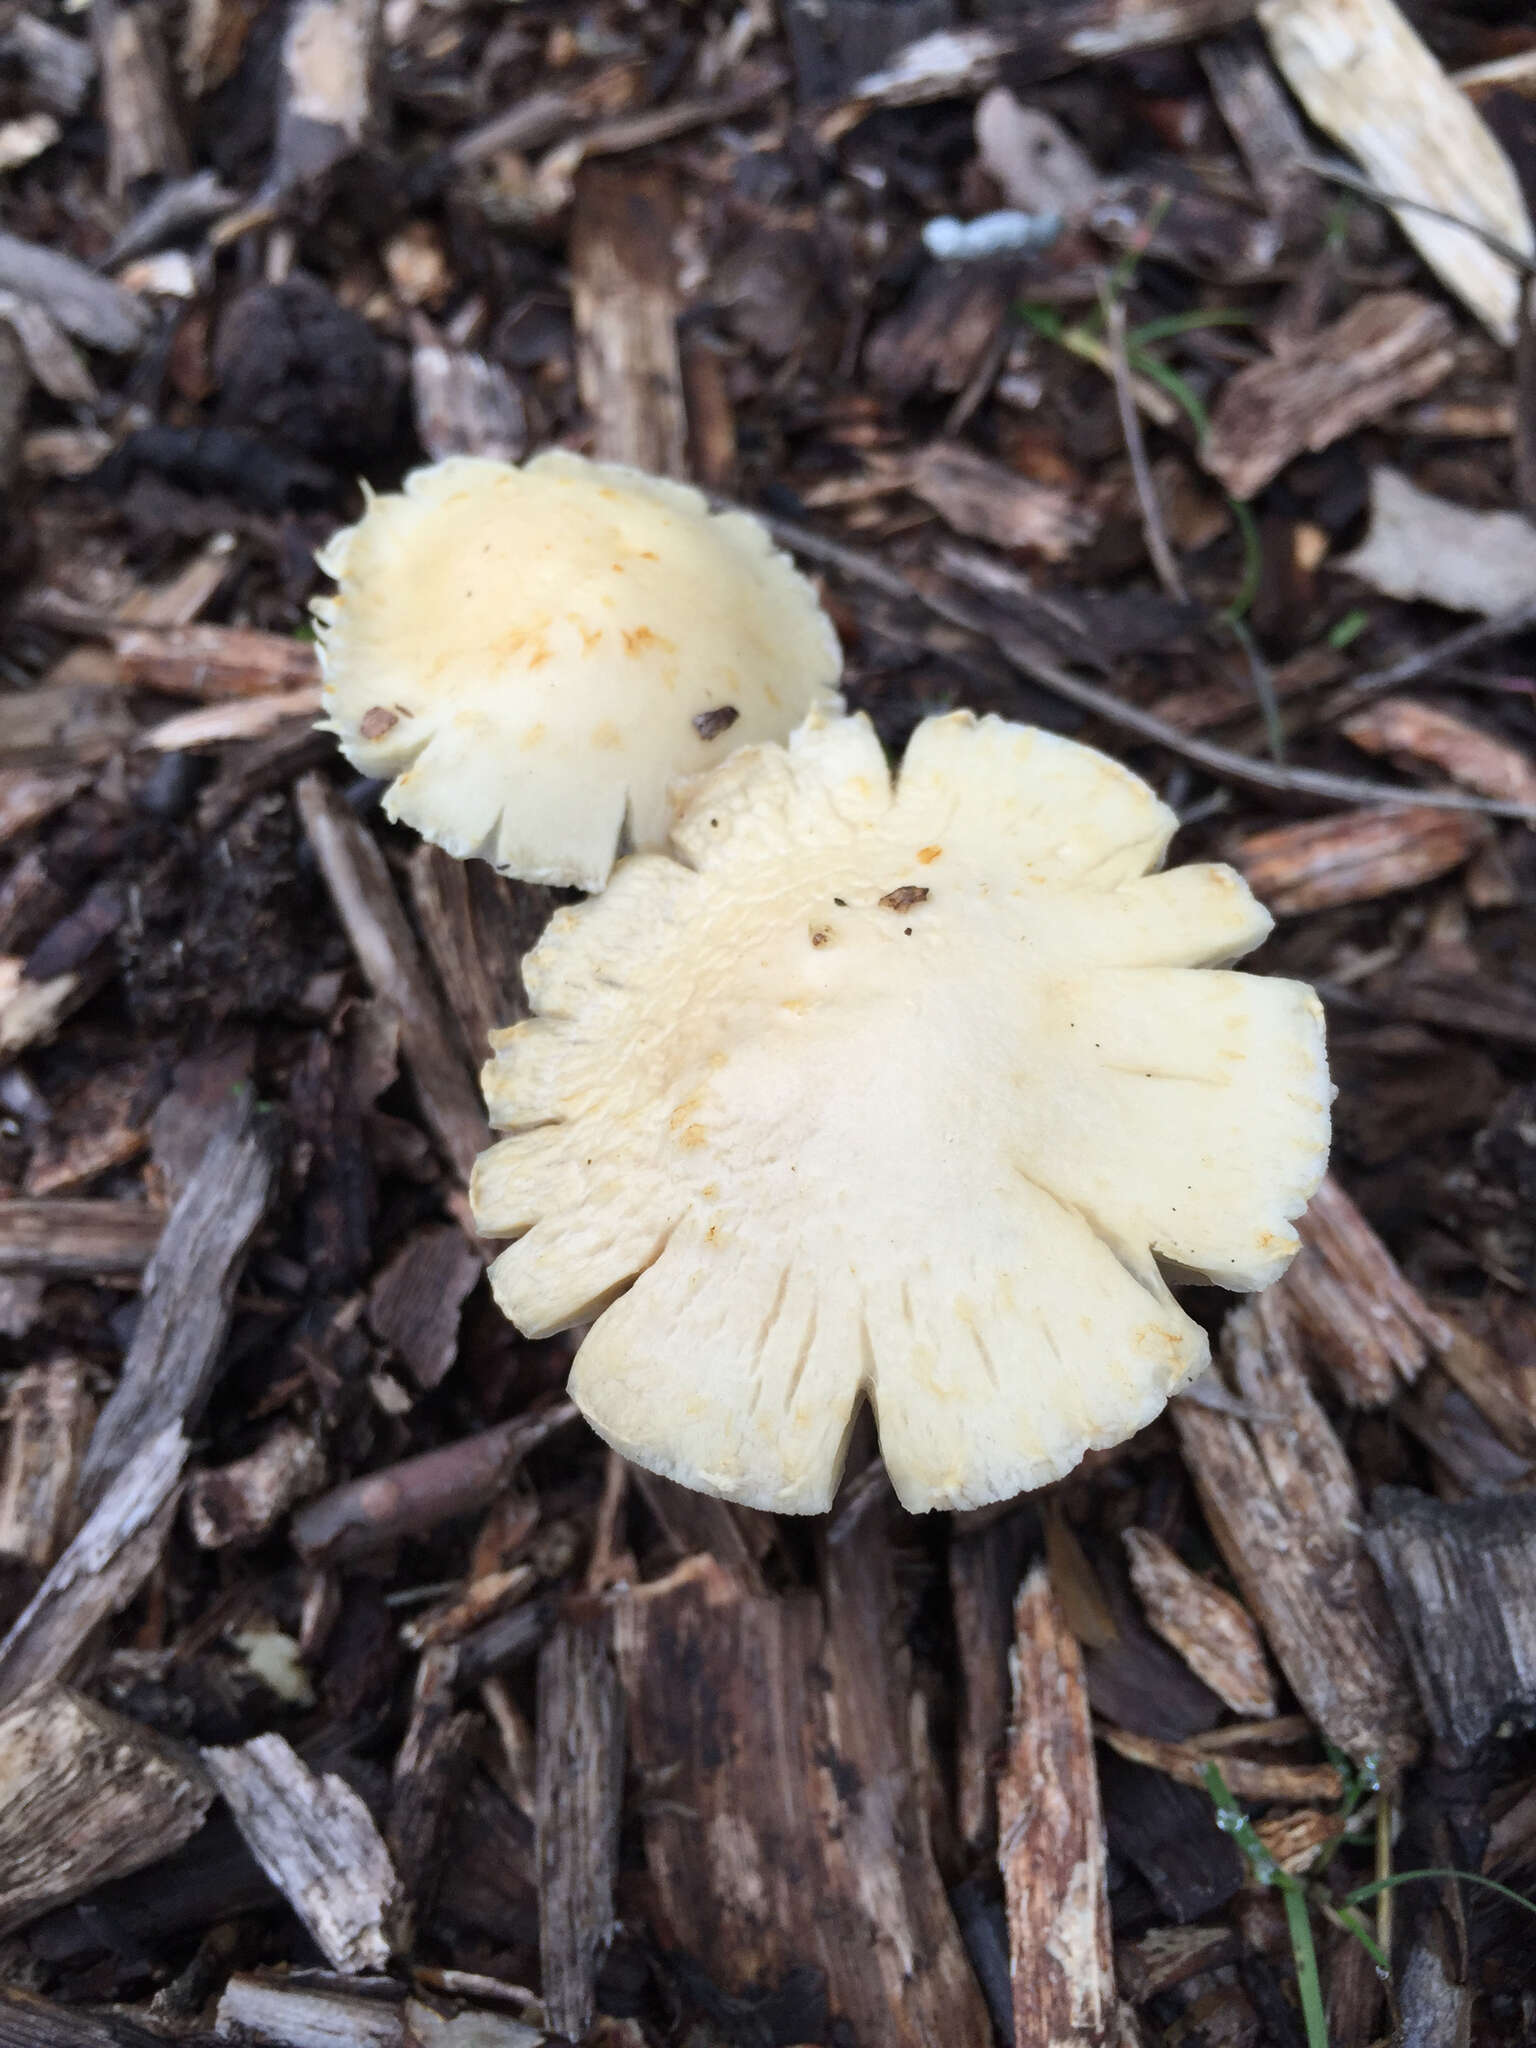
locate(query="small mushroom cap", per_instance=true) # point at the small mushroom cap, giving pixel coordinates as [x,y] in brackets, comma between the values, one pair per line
[532,655]
[901,1092]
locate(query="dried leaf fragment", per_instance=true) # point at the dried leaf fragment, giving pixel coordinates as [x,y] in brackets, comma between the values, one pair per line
[1423,547]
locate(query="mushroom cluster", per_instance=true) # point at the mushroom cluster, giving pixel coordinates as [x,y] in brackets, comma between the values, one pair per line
[911,1089]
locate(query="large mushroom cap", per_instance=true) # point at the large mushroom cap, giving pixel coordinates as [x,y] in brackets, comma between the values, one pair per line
[533,655]
[900,1092]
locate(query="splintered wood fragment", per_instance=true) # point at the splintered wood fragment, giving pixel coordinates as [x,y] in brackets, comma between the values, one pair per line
[1051,1844]
[418,1493]
[58,67]
[414,1302]
[1461,1577]
[1388,347]
[878,1819]
[50,355]
[85,1795]
[85,304]
[984,1568]
[580,1790]
[219,725]
[1354,1307]
[624,302]
[942,332]
[213,662]
[143,139]
[65,725]
[50,1412]
[752,84]
[465,405]
[483,1599]
[1436,2009]
[1356,857]
[1284,1507]
[1211,1631]
[102,1125]
[255,2008]
[1410,732]
[27,2021]
[431,1771]
[711,416]
[476,926]
[274,762]
[239,1503]
[29,795]
[1467,1449]
[1037,41]
[102,1569]
[752,1775]
[32,1009]
[1296,1840]
[1512,1838]
[1261,120]
[1499,1379]
[1186,1765]
[1165,1956]
[482,2029]
[1167,1833]
[188,1297]
[695,1523]
[1364,77]
[317,1842]
[994,503]
[358,879]
[325,102]
[832,50]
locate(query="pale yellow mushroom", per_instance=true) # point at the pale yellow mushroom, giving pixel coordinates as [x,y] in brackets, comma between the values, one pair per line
[911,1092]
[532,655]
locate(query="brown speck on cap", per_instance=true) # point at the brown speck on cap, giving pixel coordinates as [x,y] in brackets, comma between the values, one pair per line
[904,897]
[375,723]
[710,724]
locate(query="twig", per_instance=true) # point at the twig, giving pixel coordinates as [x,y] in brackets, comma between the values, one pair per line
[1158,549]
[1355,181]
[1381,682]
[416,1494]
[1221,762]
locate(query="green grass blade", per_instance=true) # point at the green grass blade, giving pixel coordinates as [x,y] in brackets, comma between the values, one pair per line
[1308,1982]
[1172,324]
[1157,372]
[1382,1884]
[1253,562]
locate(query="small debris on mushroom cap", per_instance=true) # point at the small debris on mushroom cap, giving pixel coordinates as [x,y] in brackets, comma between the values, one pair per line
[904,897]
[536,639]
[710,724]
[786,1177]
